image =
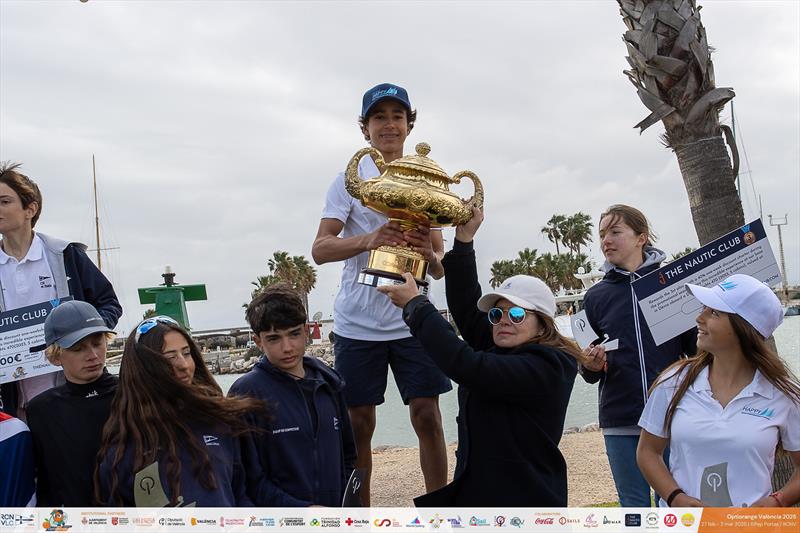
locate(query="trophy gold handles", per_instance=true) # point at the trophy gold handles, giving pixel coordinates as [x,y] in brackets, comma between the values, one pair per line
[477,197]
[352,182]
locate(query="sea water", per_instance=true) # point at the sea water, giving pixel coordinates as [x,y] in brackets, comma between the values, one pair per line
[394,426]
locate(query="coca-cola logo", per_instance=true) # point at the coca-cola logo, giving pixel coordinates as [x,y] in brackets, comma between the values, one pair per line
[544,521]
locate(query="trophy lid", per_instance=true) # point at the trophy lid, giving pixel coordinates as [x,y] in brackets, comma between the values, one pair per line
[421,164]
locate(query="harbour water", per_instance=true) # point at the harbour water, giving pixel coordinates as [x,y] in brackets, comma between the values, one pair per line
[394,428]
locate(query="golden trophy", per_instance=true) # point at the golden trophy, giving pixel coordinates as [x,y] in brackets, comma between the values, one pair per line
[412,191]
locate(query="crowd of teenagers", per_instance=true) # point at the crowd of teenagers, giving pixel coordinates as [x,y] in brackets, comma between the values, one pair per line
[716,401]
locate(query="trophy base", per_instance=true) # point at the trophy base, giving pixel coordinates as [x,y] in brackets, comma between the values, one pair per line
[374,278]
[395,260]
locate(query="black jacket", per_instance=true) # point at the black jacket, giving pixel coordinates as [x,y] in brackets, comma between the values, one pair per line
[74,275]
[291,465]
[66,423]
[612,308]
[512,402]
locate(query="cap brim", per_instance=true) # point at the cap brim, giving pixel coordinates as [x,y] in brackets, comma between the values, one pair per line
[709,298]
[487,301]
[69,340]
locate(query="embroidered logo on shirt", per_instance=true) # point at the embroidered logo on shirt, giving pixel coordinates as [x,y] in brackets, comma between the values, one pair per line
[92,394]
[335,424]
[761,413]
[210,440]
[285,430]
[43,283]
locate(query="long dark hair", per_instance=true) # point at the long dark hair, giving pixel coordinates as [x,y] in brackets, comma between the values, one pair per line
[755,350]
[152,412]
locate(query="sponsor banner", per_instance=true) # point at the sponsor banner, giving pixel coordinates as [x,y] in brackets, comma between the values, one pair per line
[666,305]
[777,520]
[356,520]
[22,342]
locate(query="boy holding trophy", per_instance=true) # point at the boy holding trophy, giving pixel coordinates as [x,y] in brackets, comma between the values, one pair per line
[369,332]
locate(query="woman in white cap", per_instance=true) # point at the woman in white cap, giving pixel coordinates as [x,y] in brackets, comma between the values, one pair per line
[515,374]
[723,412]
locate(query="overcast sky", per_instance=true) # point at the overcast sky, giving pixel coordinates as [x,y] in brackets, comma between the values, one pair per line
[218,126]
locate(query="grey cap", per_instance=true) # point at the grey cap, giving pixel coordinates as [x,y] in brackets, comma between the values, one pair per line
[71,322]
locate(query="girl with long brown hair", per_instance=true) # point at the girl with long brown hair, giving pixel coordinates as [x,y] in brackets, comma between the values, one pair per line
[172,437]
[515,374]
[723,412]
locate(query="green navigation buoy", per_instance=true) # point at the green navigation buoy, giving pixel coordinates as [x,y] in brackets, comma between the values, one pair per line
[170,298]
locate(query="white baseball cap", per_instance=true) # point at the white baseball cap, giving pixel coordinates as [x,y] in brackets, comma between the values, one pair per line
[527,292]
[745,296]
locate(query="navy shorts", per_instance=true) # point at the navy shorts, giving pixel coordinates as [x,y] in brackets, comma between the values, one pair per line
[364,365]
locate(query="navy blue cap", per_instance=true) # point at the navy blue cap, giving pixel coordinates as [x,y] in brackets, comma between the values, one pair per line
[381,92]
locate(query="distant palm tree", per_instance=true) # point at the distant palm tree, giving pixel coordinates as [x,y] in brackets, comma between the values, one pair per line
[547,270]
[685,251]
[294,270]
[148,313]
[526,261]
[568,265]
[577,231]
[501,271]
[552,230]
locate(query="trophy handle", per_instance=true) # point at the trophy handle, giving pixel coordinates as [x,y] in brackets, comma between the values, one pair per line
[477,197]
[352,182]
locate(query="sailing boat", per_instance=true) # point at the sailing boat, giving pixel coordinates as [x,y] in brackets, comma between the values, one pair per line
[98,249]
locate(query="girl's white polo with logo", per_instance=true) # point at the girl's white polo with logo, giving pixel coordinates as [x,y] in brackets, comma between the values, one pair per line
[724,454]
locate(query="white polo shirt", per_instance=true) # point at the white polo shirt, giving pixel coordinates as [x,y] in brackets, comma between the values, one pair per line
[737,441]
[359,311]
[27,282]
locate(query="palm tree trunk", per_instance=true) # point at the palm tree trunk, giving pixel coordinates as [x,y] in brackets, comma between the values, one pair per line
[709,180]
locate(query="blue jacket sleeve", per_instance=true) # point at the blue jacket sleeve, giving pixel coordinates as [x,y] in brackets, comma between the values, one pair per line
[17,478]
[89,284]
[590,376]
[463,291]
[239,478]
[348,441]
[532,372]
[261,490]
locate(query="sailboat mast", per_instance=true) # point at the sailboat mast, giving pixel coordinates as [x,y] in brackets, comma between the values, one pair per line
[96,216]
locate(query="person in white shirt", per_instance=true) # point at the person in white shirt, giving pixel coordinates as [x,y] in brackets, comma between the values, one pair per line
[36,268]
[724,411]
[369,332]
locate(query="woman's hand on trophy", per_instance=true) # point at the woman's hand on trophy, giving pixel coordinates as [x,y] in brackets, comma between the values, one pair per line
[401,294]
[390,234]
[466,232]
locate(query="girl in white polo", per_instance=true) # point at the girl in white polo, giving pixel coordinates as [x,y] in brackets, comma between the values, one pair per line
[723,412]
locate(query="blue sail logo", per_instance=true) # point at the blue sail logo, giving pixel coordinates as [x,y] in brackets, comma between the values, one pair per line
[767,412]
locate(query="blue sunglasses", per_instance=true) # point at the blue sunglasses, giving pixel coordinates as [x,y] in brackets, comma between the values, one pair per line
[515,314]
[152,322]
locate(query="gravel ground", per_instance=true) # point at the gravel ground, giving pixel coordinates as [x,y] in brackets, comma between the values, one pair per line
[396,476]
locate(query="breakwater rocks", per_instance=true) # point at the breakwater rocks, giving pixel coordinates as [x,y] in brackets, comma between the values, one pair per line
[588,428]
[323,352]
